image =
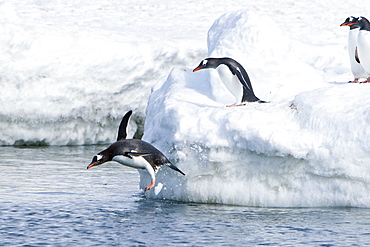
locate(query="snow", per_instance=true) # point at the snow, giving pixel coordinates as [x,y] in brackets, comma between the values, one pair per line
[307,147]
[69,70]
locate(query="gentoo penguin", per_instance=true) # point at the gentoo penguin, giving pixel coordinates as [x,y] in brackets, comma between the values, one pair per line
[237,81]
[363,45]
[134,153]
[356,66]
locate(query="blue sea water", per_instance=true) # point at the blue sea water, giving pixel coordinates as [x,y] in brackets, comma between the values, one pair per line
[48,198]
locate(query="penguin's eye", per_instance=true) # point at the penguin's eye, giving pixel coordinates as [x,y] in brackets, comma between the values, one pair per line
[204,62]
[99,157]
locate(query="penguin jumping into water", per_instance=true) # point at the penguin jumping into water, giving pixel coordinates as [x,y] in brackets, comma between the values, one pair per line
[363,45]
[235,78]
[134,153]
[356,66]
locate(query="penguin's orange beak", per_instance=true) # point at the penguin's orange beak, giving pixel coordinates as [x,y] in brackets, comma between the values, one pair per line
[93,162]
[197,68]
[344,24]
[91,165]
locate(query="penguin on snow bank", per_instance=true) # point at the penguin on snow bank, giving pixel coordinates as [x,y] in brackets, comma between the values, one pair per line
[363,45]
[235,78]
[357,69]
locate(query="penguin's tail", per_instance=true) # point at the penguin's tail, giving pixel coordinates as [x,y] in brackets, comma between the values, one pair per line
[176,169]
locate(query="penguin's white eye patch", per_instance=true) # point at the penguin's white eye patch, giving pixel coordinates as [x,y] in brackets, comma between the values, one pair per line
[99,157]
[204,62]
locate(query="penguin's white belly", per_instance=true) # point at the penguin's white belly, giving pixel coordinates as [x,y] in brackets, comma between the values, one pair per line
[363,44]
[136,162]
[231,82]
[357,70]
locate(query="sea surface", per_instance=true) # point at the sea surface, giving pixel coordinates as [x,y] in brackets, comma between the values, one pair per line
[48,198]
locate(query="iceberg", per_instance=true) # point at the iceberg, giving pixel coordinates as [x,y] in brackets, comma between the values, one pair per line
[308,147]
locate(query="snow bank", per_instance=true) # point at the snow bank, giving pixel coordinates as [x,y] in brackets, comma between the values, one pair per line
[67,79]
[308,147]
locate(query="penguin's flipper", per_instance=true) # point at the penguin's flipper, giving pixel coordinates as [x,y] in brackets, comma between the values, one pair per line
[248,94]
[243,78]
[135,154]
[356,56]
[122,130]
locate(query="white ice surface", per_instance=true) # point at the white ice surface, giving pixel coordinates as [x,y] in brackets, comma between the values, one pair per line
[308,147]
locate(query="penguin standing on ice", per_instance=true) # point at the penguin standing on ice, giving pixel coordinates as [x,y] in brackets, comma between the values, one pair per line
[134,153]
[356,66]
[235,78]
[363,45]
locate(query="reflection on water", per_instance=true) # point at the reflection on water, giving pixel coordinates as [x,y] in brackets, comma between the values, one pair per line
[49,198]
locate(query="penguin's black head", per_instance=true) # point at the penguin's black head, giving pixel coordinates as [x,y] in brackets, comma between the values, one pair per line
[208,63]
[348,20]
[363,22]
[353,22]
[99,159]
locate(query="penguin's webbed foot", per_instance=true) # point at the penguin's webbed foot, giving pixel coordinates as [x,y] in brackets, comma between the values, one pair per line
[235,104]
[354,81]
[150,185]
[366,81]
